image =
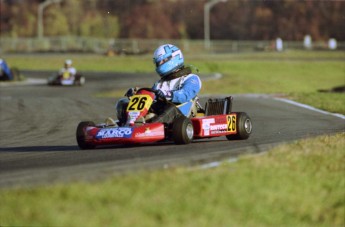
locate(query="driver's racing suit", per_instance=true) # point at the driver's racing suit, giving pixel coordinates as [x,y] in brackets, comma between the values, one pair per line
[179,87]
[68,72]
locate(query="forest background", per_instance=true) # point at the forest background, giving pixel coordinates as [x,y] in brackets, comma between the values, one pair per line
[177,19]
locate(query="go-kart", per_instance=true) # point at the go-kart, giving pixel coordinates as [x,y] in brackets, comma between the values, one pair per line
[66,79]
[143,124]
[14,75]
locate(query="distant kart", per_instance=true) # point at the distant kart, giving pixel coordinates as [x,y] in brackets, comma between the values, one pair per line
[7,73]
[66,80]
[213,121]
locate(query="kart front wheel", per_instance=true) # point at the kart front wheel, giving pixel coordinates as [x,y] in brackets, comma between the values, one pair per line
[80,134]
[244,127]
[182,131]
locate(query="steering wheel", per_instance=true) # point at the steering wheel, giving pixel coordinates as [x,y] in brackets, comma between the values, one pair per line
[154,92]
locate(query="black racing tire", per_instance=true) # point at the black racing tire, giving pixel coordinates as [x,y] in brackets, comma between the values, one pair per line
[79,80]
[244,127]
[80,135]
[182,130]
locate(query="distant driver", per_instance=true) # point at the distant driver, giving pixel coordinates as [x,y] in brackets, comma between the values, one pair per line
[68,71]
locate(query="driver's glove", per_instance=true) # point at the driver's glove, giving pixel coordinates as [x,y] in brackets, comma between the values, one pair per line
[164,95]
[168,95]
[132,91]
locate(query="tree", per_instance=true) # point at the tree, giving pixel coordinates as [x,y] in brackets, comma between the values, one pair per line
[178,19]
[148,21]
[55,22]
[22,22]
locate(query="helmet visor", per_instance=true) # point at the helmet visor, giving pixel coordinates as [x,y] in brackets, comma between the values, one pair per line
[161,62]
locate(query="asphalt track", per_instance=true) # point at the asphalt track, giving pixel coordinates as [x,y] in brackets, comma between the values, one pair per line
[38,124]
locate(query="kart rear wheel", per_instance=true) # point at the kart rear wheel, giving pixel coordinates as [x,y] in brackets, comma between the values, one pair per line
[82,81]
[79,80]
[80,134]
[244,127]
[182,131]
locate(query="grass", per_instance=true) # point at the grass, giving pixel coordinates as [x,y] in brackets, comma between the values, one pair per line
[300,184]
[276,77]
[296,184]
[332,102]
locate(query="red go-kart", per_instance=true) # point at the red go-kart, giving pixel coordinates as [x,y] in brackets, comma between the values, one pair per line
[138,125]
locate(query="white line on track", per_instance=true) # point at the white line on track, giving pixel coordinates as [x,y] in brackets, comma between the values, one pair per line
[216,164]
[28,81]
[310,107]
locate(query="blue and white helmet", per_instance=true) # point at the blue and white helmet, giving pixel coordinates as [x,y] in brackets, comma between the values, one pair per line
[167,59]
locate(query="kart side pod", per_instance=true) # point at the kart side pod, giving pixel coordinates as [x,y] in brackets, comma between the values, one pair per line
[219,120]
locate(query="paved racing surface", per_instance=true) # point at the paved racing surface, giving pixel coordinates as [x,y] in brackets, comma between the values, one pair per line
[38,125]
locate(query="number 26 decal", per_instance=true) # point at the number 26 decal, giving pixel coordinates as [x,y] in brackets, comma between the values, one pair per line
[137,103]
[231,121]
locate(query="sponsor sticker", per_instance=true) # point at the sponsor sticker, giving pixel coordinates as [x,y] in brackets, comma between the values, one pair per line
[121,132]
[221,127]
[214,126]
[206,125]
[133,116]
[149,133]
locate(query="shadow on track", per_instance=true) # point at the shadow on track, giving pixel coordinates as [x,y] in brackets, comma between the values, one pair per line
[104,147]
[39,148]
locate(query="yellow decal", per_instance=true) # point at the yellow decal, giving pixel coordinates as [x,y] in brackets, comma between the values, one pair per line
[231,122]
[139,102]
[65,75]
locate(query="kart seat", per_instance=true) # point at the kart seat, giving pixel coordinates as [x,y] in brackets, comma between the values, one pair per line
[218,106]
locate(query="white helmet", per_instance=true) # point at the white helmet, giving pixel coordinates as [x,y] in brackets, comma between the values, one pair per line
[68,62]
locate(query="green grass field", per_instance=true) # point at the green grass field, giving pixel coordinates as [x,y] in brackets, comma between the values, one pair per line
[296,75]
[297,184]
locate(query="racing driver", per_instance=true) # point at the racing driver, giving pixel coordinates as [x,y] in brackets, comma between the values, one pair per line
[68,71]
[177,84]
